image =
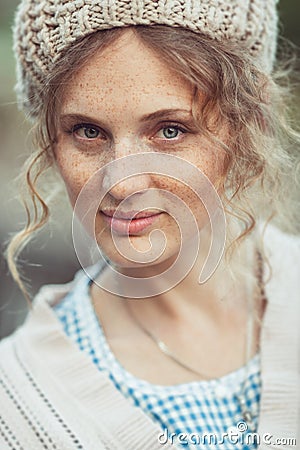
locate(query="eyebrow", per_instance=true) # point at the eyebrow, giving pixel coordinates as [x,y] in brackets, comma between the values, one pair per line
[163,113]
[156,115]
[76,118]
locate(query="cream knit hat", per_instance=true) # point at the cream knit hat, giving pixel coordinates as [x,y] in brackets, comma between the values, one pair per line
[44,28]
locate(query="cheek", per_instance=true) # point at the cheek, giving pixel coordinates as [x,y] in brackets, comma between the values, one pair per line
[209,160]
[191,206]
[75,172]
[211,163]
[203,189]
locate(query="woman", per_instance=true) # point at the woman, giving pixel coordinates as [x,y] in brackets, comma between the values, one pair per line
[159,116]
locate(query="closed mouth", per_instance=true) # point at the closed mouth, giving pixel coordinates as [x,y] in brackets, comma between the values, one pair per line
[129,215]
[129,222]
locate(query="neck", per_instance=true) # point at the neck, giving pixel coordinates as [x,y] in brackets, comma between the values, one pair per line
[216,297]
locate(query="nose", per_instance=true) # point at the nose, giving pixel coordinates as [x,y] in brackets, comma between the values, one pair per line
[129,186]
[116,179]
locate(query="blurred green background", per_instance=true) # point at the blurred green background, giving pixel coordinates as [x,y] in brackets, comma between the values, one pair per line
[51,258]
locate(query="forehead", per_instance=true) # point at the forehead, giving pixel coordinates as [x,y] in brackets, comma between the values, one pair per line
[126,74]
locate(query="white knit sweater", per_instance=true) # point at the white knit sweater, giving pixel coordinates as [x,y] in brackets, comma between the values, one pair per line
[52,396]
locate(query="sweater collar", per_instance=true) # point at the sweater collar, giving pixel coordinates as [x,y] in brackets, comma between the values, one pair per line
[42,338]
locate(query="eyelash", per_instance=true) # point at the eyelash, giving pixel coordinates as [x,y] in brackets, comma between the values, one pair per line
[175,126]
[84,126]
[165,126]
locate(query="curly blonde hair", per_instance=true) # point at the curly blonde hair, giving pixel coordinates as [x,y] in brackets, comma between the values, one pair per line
[261,180]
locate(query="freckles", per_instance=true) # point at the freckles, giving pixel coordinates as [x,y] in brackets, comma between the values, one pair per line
[74,173]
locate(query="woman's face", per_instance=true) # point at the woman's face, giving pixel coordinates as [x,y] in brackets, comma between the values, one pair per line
[127,100]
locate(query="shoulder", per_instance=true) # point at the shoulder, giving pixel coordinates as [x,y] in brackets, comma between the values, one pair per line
[37,365]
[281,268]
[52,294]
[47,297]
[280,246]
[275,235]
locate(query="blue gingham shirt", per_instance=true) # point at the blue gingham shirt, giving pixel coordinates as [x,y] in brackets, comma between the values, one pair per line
[200,413]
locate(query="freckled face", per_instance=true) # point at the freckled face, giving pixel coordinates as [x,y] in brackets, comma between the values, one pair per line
[126,100]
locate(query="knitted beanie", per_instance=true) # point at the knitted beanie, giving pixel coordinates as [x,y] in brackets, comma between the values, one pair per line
[45,28]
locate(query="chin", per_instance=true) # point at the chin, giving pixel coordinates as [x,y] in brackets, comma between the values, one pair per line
[138,260]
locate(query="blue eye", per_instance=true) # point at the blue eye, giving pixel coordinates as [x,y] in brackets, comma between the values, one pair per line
[170,132]
[86,131]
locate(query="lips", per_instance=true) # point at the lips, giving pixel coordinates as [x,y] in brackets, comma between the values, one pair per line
[129,222]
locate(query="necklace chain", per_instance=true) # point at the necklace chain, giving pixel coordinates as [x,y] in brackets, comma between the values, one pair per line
[165,349]
[246,414]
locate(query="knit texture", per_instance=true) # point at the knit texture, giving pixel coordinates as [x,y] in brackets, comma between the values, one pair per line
[45,28]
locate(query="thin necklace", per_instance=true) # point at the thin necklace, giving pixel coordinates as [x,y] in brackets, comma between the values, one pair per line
[246,415]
